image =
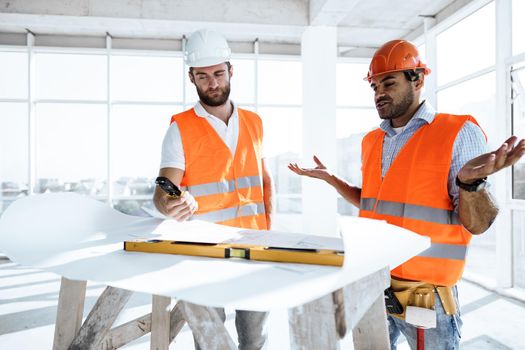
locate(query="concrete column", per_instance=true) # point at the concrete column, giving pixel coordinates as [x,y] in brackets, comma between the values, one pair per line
[319,54]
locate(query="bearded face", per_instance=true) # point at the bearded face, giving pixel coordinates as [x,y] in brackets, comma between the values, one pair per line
[214,96]
[391,108]
[395,96]
[212,83]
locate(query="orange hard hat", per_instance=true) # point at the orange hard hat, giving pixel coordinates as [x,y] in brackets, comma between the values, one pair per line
[396,56]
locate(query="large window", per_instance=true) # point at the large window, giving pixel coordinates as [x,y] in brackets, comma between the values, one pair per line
[476,97]
[467,46]
[13,70]
[518,183]
[282,145]
[71,148]
[279,86]
[70,122]
[356,115]
[62,76]
[14,127]
[518,125]
[280,82]
[97,129]
[467,85]
[518,27]
[14,152]
[146,90]
[146,78]
[516,66]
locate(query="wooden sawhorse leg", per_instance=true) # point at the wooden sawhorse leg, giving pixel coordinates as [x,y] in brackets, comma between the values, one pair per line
[314,326]
[96,331]
[69,312]
[207,327]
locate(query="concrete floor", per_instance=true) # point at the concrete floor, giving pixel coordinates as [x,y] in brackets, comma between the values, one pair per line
[28,300]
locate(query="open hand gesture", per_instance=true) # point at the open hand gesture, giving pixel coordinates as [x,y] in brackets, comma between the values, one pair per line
[319,172]
[489,163]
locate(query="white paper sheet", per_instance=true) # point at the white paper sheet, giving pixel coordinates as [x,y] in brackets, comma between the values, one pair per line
[287,240]
[81,238]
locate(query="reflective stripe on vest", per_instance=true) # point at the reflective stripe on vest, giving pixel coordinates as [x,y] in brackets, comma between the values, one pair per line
[411,211]
[223,186]
[367,204]
[445,251]
[231,213]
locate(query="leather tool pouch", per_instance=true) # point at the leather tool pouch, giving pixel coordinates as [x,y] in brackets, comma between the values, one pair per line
[421,294]
[447,299]
[410,293]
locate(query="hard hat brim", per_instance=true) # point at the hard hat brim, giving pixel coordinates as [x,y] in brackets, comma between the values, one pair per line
[426,71]
[207,62]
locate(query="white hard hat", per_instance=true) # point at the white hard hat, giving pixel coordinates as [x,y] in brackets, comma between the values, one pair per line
[205,48]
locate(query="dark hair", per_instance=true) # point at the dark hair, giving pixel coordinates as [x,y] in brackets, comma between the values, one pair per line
[413,75]
[228,64]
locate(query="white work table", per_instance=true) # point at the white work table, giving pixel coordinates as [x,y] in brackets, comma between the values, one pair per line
[81,239]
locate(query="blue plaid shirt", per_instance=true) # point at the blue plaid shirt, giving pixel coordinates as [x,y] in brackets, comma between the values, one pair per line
[469,144]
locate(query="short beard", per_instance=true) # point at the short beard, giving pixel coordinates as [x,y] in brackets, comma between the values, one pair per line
[399,109]
[224,95]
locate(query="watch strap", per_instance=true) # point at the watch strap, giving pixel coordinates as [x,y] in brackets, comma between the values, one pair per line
[472,187]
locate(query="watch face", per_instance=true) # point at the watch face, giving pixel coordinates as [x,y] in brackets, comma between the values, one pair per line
[481,186]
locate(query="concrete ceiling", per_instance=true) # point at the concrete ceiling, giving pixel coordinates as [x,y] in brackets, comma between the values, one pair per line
[362,24]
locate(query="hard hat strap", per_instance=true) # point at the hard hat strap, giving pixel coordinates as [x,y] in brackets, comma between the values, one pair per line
[413,75]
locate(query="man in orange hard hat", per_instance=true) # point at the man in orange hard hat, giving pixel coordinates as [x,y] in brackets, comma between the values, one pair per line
[213,151]
[424,171]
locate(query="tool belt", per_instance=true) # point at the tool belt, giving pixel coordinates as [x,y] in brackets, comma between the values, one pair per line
[421,294]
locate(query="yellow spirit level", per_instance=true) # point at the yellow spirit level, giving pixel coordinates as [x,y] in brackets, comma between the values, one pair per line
[250,252]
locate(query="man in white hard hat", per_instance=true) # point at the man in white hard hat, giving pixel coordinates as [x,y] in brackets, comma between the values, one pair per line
[213,151]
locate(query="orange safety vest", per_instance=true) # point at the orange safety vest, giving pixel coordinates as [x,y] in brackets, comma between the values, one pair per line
[414,195]
[228,188]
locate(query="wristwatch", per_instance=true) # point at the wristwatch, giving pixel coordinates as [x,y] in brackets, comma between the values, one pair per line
[476,186]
